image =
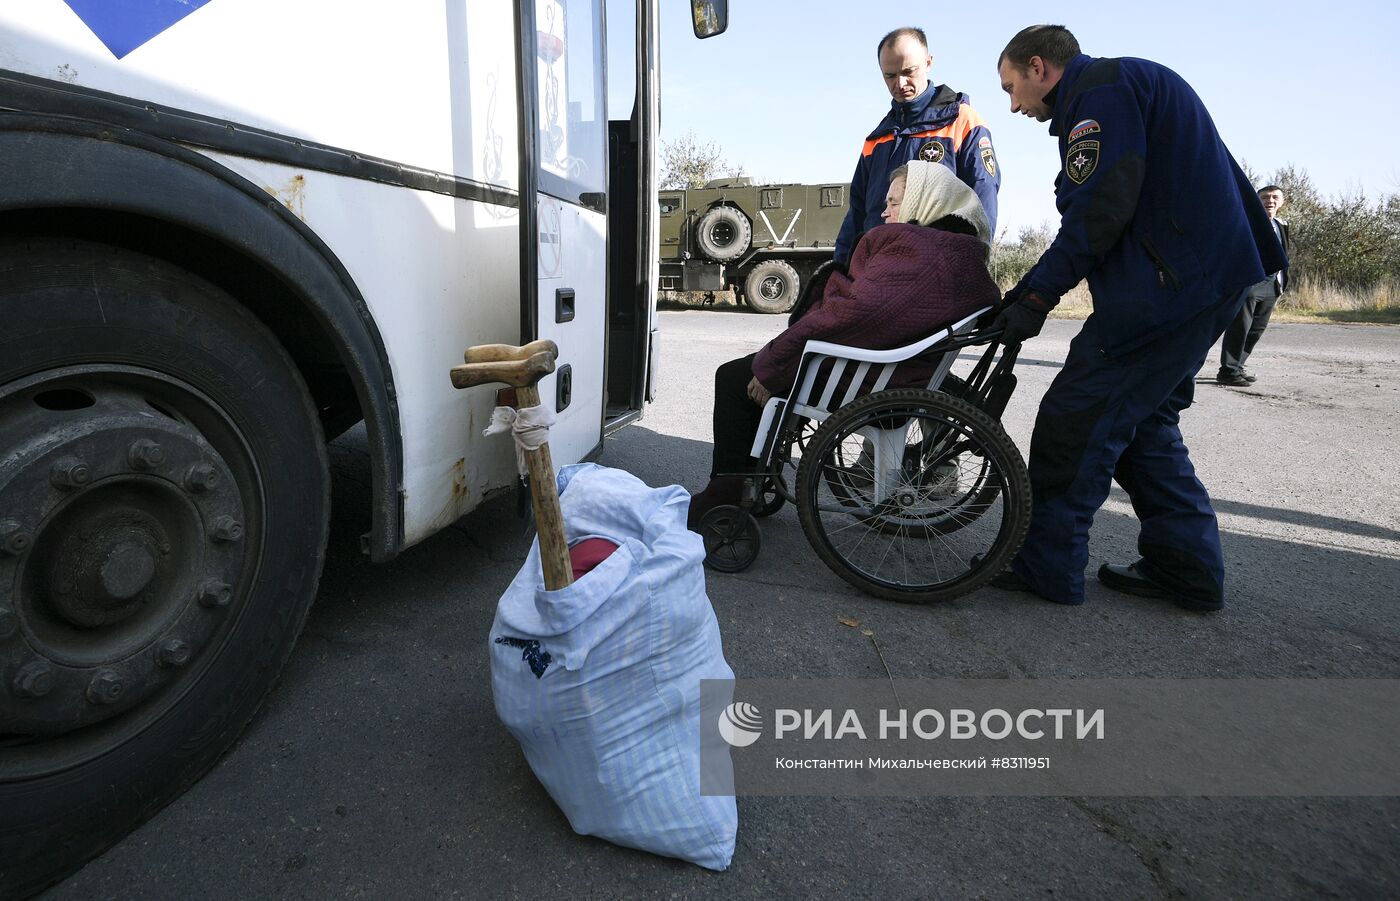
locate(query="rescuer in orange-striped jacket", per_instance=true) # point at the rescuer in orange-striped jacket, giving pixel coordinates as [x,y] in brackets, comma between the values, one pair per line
[926,122]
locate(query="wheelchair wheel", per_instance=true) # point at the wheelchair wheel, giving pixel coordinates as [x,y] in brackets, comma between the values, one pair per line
[932,455]
[732,539]
[913,495]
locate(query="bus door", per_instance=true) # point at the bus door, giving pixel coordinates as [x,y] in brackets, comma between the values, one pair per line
[632,150]
[565,82]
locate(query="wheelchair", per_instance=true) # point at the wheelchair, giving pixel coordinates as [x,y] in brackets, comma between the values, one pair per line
[910,494]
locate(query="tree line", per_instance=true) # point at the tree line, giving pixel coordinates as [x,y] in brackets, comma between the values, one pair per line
[1346,242]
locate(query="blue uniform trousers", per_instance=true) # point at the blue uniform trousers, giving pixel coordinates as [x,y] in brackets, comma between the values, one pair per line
[1105,419]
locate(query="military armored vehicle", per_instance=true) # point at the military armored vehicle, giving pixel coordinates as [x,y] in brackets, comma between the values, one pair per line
[762,240]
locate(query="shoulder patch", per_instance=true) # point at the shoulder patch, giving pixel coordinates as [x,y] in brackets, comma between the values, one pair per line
[989,161]
[932,151]
[1081,160]
[984,142]
[1083,129]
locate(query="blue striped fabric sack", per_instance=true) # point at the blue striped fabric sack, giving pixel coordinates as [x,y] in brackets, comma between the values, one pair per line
[600,681]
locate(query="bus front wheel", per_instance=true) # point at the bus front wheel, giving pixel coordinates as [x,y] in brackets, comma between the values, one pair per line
[164,499]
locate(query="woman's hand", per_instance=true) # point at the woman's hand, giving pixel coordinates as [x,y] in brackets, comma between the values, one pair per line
[757,393]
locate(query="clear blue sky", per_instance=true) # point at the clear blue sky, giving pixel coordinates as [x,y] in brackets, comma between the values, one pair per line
[793,87]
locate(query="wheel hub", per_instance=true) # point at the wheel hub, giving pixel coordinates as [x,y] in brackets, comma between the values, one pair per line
[98,580]
[119,518]
[722,234]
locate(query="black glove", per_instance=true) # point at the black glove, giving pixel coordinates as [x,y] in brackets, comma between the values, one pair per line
[1024,317]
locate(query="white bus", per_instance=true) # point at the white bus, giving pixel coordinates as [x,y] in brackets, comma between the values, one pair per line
[230,230]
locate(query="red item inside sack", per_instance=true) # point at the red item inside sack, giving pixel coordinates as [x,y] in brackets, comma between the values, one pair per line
[588,553]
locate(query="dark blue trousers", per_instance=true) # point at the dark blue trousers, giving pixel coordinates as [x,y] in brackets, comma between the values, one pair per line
[1106,419]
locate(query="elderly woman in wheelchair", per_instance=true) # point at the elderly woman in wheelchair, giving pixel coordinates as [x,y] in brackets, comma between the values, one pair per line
[905,485]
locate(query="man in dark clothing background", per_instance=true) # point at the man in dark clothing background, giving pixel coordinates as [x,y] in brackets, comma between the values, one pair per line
[1253,317]
[1160,219]
[926,122]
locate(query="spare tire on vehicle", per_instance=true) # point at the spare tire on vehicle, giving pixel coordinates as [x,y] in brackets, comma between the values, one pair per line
[772,287]
[723,234]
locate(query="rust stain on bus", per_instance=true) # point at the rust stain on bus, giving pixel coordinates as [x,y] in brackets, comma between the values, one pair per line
[292,195]
[460,492]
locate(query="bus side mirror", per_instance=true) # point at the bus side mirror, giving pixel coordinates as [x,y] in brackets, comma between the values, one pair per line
[710,17]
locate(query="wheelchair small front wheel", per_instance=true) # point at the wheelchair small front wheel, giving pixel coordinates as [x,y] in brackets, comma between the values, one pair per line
[732,539]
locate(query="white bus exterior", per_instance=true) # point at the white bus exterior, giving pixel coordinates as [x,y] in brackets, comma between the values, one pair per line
[229,231]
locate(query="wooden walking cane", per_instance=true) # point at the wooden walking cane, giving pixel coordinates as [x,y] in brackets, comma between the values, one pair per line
[521,368]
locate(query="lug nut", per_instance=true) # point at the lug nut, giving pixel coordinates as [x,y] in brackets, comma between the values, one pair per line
[201,477]
[105,688]
[173,652]
[34,679]
[14,538]
[226,528]
[215,593]
[69,472]
[145,454]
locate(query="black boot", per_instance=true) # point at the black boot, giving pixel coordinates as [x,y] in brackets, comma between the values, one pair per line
[722,491]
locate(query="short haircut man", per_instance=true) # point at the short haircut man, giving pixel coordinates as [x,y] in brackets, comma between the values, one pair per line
[929,122]
[907,32]
[1244,333]
[1052,43]
[1170,242]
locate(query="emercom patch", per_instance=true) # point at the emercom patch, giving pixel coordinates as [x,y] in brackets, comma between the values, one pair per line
[1081,160]
[989,162]
[932,152]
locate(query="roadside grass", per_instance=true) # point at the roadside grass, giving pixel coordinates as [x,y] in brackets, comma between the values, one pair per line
[1307,301]
[1310,300]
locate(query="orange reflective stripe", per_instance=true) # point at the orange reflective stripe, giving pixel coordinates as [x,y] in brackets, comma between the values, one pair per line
[872,144]
[957,130]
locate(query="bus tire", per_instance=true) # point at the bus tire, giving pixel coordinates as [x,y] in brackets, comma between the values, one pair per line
[164,500]
[723,234]
[772,286]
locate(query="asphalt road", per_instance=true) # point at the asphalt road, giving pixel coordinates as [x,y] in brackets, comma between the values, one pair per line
[378,768]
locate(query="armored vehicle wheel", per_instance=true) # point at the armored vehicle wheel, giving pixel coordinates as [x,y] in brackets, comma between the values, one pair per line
[723,234]
[164,501]
[772,287]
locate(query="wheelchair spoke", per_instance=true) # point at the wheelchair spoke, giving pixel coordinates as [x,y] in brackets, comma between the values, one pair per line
[899,491]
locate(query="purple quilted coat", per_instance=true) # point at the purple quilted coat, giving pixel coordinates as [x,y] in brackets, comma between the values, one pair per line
[906,282]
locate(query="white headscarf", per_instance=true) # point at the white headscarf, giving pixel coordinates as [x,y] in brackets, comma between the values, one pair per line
[932,191]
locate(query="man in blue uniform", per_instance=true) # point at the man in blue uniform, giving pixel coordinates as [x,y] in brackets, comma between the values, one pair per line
[926,122]
[1159,218]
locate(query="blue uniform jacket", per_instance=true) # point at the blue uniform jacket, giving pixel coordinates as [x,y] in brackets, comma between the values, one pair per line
[1156,214]
[939,126]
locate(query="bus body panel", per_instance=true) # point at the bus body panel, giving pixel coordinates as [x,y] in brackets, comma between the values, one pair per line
[426,87]
[422,84]
[428,268]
